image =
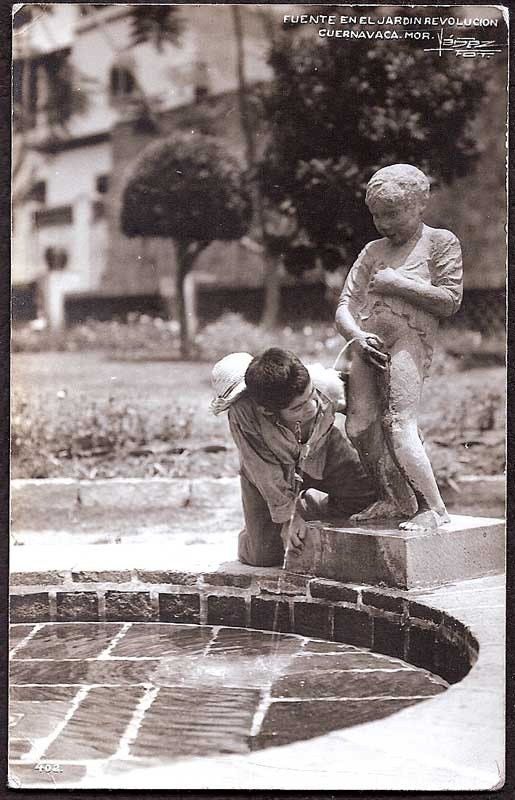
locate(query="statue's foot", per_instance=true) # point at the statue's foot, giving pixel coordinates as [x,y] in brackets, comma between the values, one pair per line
[428,520]
[381,509]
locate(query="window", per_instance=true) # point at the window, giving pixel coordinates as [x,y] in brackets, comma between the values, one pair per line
[102,184]
[18,67]
[56,258]
[121,82]
[201,80]
[25,93]
[58,215]
[42,84]
[37,192]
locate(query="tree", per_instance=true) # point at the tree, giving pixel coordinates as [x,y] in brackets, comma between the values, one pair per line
[187,188]
[338,112]
[156,24]
[249,126]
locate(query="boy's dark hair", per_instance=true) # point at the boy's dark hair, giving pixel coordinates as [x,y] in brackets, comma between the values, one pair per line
[275,378]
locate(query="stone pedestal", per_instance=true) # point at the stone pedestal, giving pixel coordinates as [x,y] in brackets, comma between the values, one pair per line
[467,547]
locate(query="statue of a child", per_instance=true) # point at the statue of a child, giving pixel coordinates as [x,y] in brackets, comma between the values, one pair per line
[391,303]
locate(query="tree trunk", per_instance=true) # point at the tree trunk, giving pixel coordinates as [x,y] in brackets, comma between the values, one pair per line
[272,294]
[272,280]
[184,264]
[246,125]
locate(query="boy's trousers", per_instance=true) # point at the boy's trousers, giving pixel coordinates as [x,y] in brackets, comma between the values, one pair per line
[343,490]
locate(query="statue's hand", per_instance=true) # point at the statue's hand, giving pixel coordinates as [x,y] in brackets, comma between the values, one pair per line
[386,281]
[370,348]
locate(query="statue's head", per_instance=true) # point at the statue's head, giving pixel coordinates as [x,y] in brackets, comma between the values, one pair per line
[397,198]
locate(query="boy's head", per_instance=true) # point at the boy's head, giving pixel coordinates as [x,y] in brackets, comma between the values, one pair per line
[279,382]
[397,197]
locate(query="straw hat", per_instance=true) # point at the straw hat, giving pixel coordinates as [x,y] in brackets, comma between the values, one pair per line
[228,380]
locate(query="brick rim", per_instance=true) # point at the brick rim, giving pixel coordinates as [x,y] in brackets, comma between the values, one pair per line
[385,621]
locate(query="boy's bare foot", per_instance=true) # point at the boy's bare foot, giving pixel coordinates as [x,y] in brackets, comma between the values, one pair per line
[381,509]
[426,521]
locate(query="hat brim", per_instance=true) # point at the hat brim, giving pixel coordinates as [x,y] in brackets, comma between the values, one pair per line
[219,404]
[236,391]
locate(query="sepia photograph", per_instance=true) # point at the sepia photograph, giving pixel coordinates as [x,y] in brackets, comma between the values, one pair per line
[258,397]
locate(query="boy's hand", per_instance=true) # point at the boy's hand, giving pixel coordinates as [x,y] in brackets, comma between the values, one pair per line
[385,281]
[294,533]
[370,349]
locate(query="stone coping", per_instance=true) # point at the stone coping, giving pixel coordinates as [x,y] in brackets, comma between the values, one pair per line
[68,494]
[385,622]
[454,741]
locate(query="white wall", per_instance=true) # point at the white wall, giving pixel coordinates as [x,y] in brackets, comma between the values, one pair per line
[166,77]
[72,172]
[69,176]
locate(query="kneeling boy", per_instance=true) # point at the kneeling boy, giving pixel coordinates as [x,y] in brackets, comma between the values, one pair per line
[283,427]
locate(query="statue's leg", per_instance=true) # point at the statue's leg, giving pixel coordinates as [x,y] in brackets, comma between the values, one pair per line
[404,387]
[365,431]
[345,488]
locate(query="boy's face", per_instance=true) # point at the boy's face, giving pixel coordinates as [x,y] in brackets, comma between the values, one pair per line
[397,221]
[302,408]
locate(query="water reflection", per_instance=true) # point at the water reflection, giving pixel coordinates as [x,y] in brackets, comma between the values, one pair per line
[108,692]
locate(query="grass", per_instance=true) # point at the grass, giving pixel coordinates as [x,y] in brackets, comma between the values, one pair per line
[89,415]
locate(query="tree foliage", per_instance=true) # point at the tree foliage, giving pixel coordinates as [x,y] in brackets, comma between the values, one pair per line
[186,187]
[338,111]
[155,24]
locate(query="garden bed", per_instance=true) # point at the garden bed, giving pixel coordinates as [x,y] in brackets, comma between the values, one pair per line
[86,416]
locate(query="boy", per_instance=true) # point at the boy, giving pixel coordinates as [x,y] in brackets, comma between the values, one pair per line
[284,429]
[391,303]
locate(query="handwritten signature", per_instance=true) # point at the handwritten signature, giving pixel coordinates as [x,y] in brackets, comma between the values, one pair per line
[465,46]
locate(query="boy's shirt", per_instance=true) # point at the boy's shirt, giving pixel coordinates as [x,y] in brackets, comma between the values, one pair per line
[270,453]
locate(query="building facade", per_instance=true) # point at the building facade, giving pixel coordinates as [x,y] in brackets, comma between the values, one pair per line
[86,100]
[71,161]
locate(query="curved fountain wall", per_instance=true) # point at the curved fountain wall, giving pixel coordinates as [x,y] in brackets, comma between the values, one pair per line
[385,621]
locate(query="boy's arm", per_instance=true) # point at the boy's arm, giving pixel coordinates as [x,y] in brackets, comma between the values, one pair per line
[442,297]
[262,468]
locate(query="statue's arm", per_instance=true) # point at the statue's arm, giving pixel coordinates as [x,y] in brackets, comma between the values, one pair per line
[442,297]
[353,295]
[434,299]
[447,269]
[351,299]
[345,322]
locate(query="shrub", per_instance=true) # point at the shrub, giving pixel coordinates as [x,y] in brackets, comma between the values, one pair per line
[139,333]
[42,438]
[232,333]
[142,337]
